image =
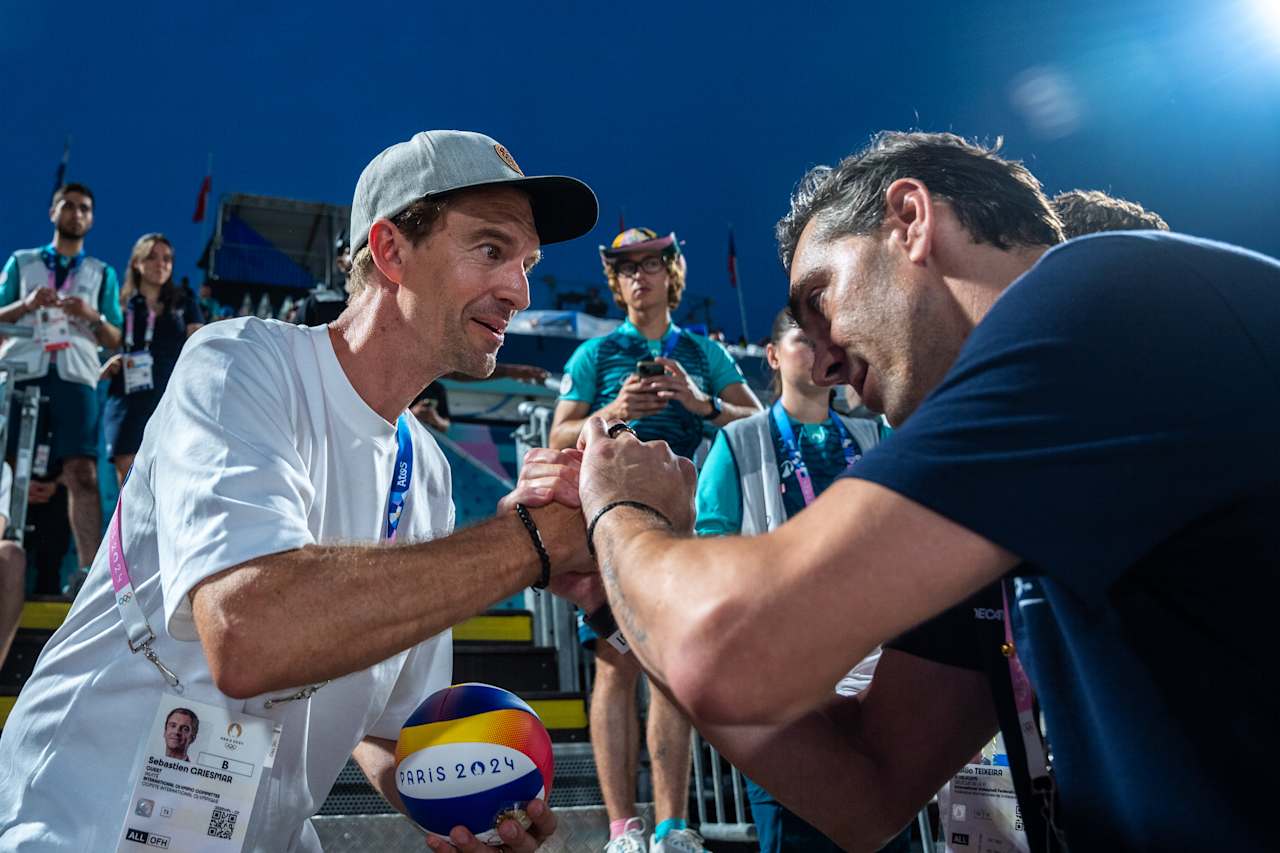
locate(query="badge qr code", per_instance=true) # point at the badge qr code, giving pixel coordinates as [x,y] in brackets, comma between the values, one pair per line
[223,823]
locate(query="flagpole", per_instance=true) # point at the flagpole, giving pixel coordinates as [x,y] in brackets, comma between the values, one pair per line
[742,306]
[208,235]
[60,177]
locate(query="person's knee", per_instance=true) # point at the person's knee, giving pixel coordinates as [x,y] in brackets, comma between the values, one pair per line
[80,474]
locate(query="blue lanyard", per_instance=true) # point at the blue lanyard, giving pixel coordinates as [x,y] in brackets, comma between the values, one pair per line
[401,476]
[669,343]
[851,453]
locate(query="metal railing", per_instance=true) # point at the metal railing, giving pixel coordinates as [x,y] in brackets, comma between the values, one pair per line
[28,420]
[708,772]
[554,622]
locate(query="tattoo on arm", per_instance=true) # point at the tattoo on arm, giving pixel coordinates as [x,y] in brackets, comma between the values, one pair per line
[635,635]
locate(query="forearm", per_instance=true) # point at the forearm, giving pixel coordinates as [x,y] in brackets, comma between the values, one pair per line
[13,312]
[321,612]
[377,758]
[565,432]
[816,768]
[108,336]
[815,590]
[646,567]
[736,401]
[730,412]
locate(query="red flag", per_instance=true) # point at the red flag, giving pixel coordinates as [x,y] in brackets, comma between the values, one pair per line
[201,200]
[733,263]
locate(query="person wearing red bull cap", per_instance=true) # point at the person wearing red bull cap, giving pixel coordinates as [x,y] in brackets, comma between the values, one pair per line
[691,382]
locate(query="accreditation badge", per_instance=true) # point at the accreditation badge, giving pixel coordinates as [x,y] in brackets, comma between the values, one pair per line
[199,774]
[53,329]
[138,368]
[980,812]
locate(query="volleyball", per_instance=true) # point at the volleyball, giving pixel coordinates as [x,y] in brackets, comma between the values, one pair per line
[472,755]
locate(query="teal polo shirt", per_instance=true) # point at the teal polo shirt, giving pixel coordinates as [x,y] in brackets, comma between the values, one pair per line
[595,372]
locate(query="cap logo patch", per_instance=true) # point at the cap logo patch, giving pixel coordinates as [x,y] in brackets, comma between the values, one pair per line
[508,159]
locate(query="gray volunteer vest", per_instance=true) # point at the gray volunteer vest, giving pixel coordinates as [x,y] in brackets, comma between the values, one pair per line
[751,441]
[78,362]
[752,444]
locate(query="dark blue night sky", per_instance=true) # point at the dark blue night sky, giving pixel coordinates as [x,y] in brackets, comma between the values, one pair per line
[687,116]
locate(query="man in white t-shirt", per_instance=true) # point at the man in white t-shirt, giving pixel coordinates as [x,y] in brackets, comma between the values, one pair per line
[13,569]
[253,526]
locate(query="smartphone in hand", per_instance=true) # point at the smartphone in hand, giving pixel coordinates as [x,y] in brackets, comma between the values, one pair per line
[646,369]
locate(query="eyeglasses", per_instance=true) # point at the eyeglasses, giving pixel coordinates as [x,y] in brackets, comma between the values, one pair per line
[629,269]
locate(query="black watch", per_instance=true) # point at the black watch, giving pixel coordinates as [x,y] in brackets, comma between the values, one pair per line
[716,409]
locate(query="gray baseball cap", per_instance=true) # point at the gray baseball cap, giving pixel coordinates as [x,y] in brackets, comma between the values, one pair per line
[439,161]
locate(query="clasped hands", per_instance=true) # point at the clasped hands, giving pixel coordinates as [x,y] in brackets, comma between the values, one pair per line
[569,487]
[75,307]
[562,490]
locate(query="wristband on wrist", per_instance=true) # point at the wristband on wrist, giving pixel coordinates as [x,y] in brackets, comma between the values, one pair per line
[602,622]
[536,537]
[591,528]
[716,409]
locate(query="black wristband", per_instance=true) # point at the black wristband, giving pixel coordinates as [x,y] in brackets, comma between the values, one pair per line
[591,528]
[543,556]
[601,620]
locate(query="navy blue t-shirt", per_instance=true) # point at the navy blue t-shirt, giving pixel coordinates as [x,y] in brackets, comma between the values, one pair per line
[1113,422]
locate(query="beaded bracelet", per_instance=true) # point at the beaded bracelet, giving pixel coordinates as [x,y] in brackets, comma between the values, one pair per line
[543,556]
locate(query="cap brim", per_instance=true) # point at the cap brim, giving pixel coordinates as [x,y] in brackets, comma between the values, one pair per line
[657,244]
[563,207]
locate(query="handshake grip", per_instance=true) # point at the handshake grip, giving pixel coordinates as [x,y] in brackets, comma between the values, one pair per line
[602,622]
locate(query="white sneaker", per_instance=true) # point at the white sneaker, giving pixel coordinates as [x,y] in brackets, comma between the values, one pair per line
[678,841]
[630,841]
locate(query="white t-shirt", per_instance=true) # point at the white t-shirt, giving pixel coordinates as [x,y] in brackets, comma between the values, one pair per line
[259,445]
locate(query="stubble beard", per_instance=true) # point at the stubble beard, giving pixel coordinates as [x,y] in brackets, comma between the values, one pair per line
[67,233]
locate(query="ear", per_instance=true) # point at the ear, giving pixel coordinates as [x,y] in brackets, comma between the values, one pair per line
[387,246]
[771,355]
[909,215]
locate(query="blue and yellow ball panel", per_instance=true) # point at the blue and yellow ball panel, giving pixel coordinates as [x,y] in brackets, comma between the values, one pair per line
[469,753]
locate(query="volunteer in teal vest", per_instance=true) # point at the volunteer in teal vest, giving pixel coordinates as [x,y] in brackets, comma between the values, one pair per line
[688,384]
[72,303]
[761,471]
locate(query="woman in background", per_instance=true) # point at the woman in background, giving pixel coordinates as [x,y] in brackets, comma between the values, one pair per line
[761,471]
[158,319]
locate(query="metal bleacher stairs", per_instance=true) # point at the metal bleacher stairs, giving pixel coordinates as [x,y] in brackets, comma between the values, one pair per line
[497,648]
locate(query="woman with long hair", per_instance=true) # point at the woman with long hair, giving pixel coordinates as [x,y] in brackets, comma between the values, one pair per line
[158,319]
[761,471]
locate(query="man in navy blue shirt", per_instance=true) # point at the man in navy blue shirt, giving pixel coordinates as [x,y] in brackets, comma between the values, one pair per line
[1059,454]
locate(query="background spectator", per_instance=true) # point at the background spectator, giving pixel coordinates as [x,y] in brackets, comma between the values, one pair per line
[72,303]
[754,479]
[675,401]
[13,569]
[1091,211]
[158,319]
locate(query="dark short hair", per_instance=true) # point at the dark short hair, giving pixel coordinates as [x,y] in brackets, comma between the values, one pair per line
[195,721]
[60,193]
[416,222]
[1090,211]
[998,201]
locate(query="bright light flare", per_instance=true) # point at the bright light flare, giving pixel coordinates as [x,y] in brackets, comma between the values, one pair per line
[1265,15]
